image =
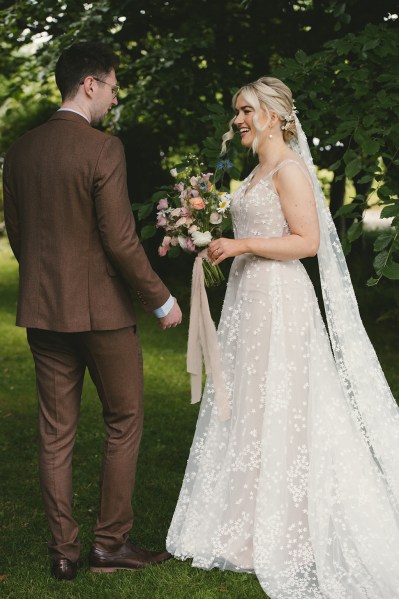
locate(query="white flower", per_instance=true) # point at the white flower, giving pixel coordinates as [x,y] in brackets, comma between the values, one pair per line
[182,242]
[200,238]
[224,202]
[215,218]
[173,172]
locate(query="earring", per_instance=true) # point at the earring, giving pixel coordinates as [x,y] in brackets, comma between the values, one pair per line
[270,136]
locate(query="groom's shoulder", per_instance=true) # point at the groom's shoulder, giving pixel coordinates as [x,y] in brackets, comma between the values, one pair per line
[68,131]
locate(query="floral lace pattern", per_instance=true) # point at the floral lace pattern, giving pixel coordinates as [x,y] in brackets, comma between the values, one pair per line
[295,487]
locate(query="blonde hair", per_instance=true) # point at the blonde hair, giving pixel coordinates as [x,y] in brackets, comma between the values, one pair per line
[265,94]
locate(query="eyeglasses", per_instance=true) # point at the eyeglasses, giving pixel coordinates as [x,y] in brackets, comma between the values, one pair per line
[115,88]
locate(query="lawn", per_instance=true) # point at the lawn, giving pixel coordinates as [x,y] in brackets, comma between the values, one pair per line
[169,425]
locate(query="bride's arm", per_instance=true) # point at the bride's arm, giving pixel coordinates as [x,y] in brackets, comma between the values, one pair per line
[298,204]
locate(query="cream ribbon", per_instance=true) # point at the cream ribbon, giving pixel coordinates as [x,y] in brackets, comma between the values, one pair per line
[203,341]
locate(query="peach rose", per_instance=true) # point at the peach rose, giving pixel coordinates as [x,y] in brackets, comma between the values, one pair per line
[197,203]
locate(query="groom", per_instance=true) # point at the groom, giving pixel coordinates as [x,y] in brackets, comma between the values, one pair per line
[71,228]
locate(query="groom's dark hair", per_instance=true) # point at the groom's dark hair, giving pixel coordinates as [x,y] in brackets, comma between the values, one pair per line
[79,61]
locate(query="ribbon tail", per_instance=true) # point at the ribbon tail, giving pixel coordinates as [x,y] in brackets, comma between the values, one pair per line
[203,340]
[194,355]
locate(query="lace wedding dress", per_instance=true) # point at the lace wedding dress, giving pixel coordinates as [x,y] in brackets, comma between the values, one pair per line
[301,484]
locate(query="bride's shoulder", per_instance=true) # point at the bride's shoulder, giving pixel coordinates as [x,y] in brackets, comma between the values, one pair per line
[293,174]
[290,166]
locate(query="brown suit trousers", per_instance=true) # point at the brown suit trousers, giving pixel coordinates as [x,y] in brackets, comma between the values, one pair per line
[71,228]
[113,359]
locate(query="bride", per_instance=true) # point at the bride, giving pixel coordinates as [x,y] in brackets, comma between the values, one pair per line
[301,483]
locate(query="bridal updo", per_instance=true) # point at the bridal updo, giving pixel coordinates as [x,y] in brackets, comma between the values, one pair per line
[266,94]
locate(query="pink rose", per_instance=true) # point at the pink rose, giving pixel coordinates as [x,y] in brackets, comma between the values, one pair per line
[186,244]
[161,220]
[163,204]
[183,195]
[182,221]
[197,203]
[215,218]
[166,241]
[190,245]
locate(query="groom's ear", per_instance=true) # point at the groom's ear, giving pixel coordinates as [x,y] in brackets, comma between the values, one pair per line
[88,85]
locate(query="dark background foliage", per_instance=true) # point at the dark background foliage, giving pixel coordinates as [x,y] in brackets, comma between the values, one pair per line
[181,57]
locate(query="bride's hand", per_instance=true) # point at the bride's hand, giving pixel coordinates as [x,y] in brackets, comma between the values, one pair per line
[220,249]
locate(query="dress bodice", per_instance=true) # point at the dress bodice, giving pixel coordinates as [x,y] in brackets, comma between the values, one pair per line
[256,211]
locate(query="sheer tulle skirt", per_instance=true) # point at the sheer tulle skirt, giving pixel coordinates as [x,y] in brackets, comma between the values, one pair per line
[290,487]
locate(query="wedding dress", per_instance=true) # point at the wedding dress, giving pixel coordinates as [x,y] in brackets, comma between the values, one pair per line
[301,484]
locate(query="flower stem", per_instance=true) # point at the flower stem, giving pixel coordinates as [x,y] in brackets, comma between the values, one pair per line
[213,276]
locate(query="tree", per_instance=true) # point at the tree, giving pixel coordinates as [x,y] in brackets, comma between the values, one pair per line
[353,108]
[180,57]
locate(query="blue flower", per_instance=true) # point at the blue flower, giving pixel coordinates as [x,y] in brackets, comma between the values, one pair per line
[224,164]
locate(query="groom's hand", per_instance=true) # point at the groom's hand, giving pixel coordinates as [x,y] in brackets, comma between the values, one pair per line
[172,319]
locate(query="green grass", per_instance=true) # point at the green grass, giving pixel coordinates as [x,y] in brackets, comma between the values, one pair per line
[168,431]
[169,426]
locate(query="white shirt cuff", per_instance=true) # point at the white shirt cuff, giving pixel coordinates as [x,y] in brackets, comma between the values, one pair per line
[166,308]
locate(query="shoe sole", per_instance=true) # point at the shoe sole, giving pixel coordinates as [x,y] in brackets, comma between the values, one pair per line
[110,569]
[101,570]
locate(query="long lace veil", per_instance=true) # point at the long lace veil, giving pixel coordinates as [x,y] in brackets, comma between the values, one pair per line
[369,397]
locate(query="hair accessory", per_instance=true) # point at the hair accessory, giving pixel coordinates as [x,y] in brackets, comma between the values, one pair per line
[289,118]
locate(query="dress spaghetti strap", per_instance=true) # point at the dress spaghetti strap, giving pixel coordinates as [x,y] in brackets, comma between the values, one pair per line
[283,163]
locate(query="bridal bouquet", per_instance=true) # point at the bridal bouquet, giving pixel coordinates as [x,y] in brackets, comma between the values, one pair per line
[193,213]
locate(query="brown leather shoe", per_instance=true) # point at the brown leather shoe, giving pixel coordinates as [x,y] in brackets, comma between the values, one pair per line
[63,569]
[128,557]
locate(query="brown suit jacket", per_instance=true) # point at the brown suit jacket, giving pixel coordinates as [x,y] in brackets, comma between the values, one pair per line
[71,228]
